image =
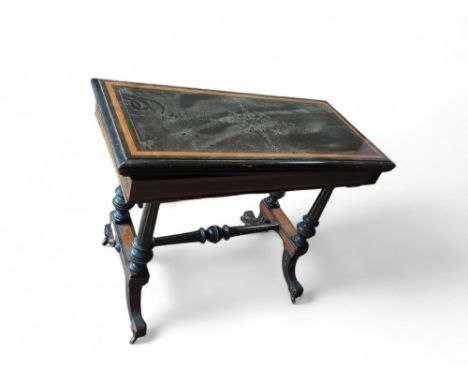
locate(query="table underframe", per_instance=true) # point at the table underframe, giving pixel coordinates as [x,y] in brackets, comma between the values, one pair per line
[136,248]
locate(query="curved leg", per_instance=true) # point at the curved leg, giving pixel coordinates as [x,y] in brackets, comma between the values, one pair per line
[289,272]
[289,260]
[134,286]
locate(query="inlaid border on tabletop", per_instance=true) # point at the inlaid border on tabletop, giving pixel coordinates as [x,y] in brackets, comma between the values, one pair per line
[135,152]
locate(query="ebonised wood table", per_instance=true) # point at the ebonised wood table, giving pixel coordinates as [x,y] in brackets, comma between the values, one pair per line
[171,143]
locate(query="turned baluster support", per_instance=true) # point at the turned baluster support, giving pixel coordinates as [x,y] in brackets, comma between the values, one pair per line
[306,228]
[272,200]
[120,215]
[213,234]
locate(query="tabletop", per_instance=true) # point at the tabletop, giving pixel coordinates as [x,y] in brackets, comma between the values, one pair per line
[156,129]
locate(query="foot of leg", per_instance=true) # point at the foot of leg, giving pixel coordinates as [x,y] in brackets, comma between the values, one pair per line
[289,271]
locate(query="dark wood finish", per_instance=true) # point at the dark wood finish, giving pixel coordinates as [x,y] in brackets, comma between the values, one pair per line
[135,252]
[286,230]
[158,130]
[121,213]
[310,221]
[180,188]
[293,248]
[295,241]
[170,143]
[272,200]
[249,218]
[140,254]
[213,234]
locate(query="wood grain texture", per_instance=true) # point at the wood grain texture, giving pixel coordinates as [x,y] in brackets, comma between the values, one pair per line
[286,228]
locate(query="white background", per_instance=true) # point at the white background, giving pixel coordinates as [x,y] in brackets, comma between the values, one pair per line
[386,277]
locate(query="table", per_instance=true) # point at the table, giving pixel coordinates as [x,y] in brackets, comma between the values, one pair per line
[172,143]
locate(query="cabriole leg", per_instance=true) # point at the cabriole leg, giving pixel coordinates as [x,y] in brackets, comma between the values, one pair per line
[289,272]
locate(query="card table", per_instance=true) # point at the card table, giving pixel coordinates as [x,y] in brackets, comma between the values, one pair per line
[173,143]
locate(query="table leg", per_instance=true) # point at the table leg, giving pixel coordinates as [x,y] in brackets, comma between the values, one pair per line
[135,252]
[292,249]
[294,240]
[140,254]
[305,230]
